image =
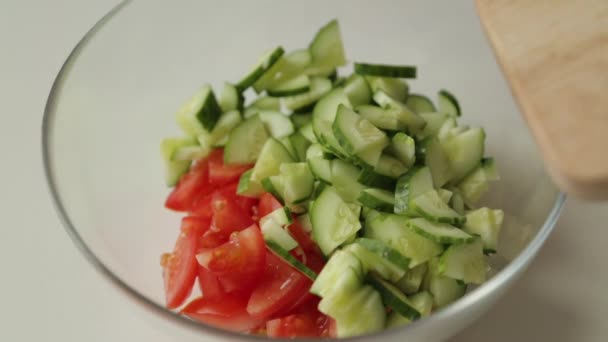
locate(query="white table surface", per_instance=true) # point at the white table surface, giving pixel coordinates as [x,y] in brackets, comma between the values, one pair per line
[49,292]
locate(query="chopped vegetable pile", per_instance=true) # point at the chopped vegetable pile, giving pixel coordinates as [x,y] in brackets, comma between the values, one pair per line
[328,206]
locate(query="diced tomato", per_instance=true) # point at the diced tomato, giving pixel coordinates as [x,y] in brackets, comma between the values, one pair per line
[301,236]
[189,187]
[180,266]
[279,288]
[220,173]
[209,284]
[268,204]
[239,262]
[307,321]
[228,216]
[226,312]
[246,203]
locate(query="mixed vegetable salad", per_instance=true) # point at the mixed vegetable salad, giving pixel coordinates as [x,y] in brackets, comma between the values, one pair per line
[328,205]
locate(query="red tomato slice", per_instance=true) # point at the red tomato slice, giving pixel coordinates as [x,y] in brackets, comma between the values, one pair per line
[209,284]
[239,262]
[307,321]
[220,173]
[279,288]
[180,266]
[189,187]
[226,312]
[301,236]
[268,204]
[228,216]
[203,205]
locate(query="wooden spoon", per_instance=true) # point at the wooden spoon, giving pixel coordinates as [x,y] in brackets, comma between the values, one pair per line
[554,54]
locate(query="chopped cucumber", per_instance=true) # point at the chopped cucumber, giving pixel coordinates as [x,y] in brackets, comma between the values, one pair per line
[395,88]
[274,232]
[267,60]
[344,179]
[357,90]
[300,145]
[464,151]
[245,142]
[395,320]
[394,298]
[437,161]
[319,86]
[200,113]
[304,221]
[272,155]
[419,103]
[230,98]
[298,182]
[486,223]
[343,272]
[301,119]
[372,178]
[414,123]
[404,148]
[357,134]
[248,187]
[445,290]
[416,181]
[389,166]
[282,216]
[291,260]
[274,185]
[378,257]
[464,262]
[378,199]
[394,231]
[308,133]
[324,115]
[430,206]
[387,119]
[411,281]
[434,122]
[287,67]
[445,195]
[423,302]
[294,86]
[439,232]
[321,169]
[333,220]
[383,70]
[266,102]
[447,103]
[276,123]
[326,48]
[220,133]
[175,169]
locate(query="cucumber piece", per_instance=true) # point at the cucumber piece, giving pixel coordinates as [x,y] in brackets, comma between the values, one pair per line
[371,178]
[446,129]
[294,86]
[247,187]
[382,118]
[282,216]
[378,199]
[448,103]
[355,133]
[395,320]
[299,145]
[439,232]
[230,98]
[191,153]
[274,232]
[473,186]
[430,206]
[419,103]
[444,290]
[320,168]
[434,121]
[465,262]
[445,195]
[394,231]
[300,120]
[326,48]
[266,61]
[411,281]
[175,169]
[245,142]
[346,310]
[389,166]
[464,151]
[457,202]
[368,158]
[414,123]
[319,86]
[486,223]
[324,114]
[403,147]
[304,221]
[333,220]
[490,168]
[394,298]
[308,133]
[423,302]
[277,124]
[266,102]
[272,155]
[274,185]
[298,182]
[438,163]
[375,256]
[416,181]
[344,179]
[357,90]
[395,88]
[219,135]
[200,113]
[384,70]
[287,67]
[289,147]
[290,259]
[343,272]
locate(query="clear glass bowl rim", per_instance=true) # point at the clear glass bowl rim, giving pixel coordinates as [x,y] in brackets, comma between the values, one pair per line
[49,114]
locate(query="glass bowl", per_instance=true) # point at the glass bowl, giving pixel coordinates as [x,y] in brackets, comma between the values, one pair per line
[116,95]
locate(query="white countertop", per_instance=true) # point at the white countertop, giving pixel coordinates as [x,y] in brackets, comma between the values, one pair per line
[51,293]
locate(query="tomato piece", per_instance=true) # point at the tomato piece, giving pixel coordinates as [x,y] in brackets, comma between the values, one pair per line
[203,205]
[209,284]
[239,262]
[301,236]
[226,312]
[307,321]
[246,203]
[268,204]
[279,288]
[189,187]
[220,173]
[180,267]
[228,216]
